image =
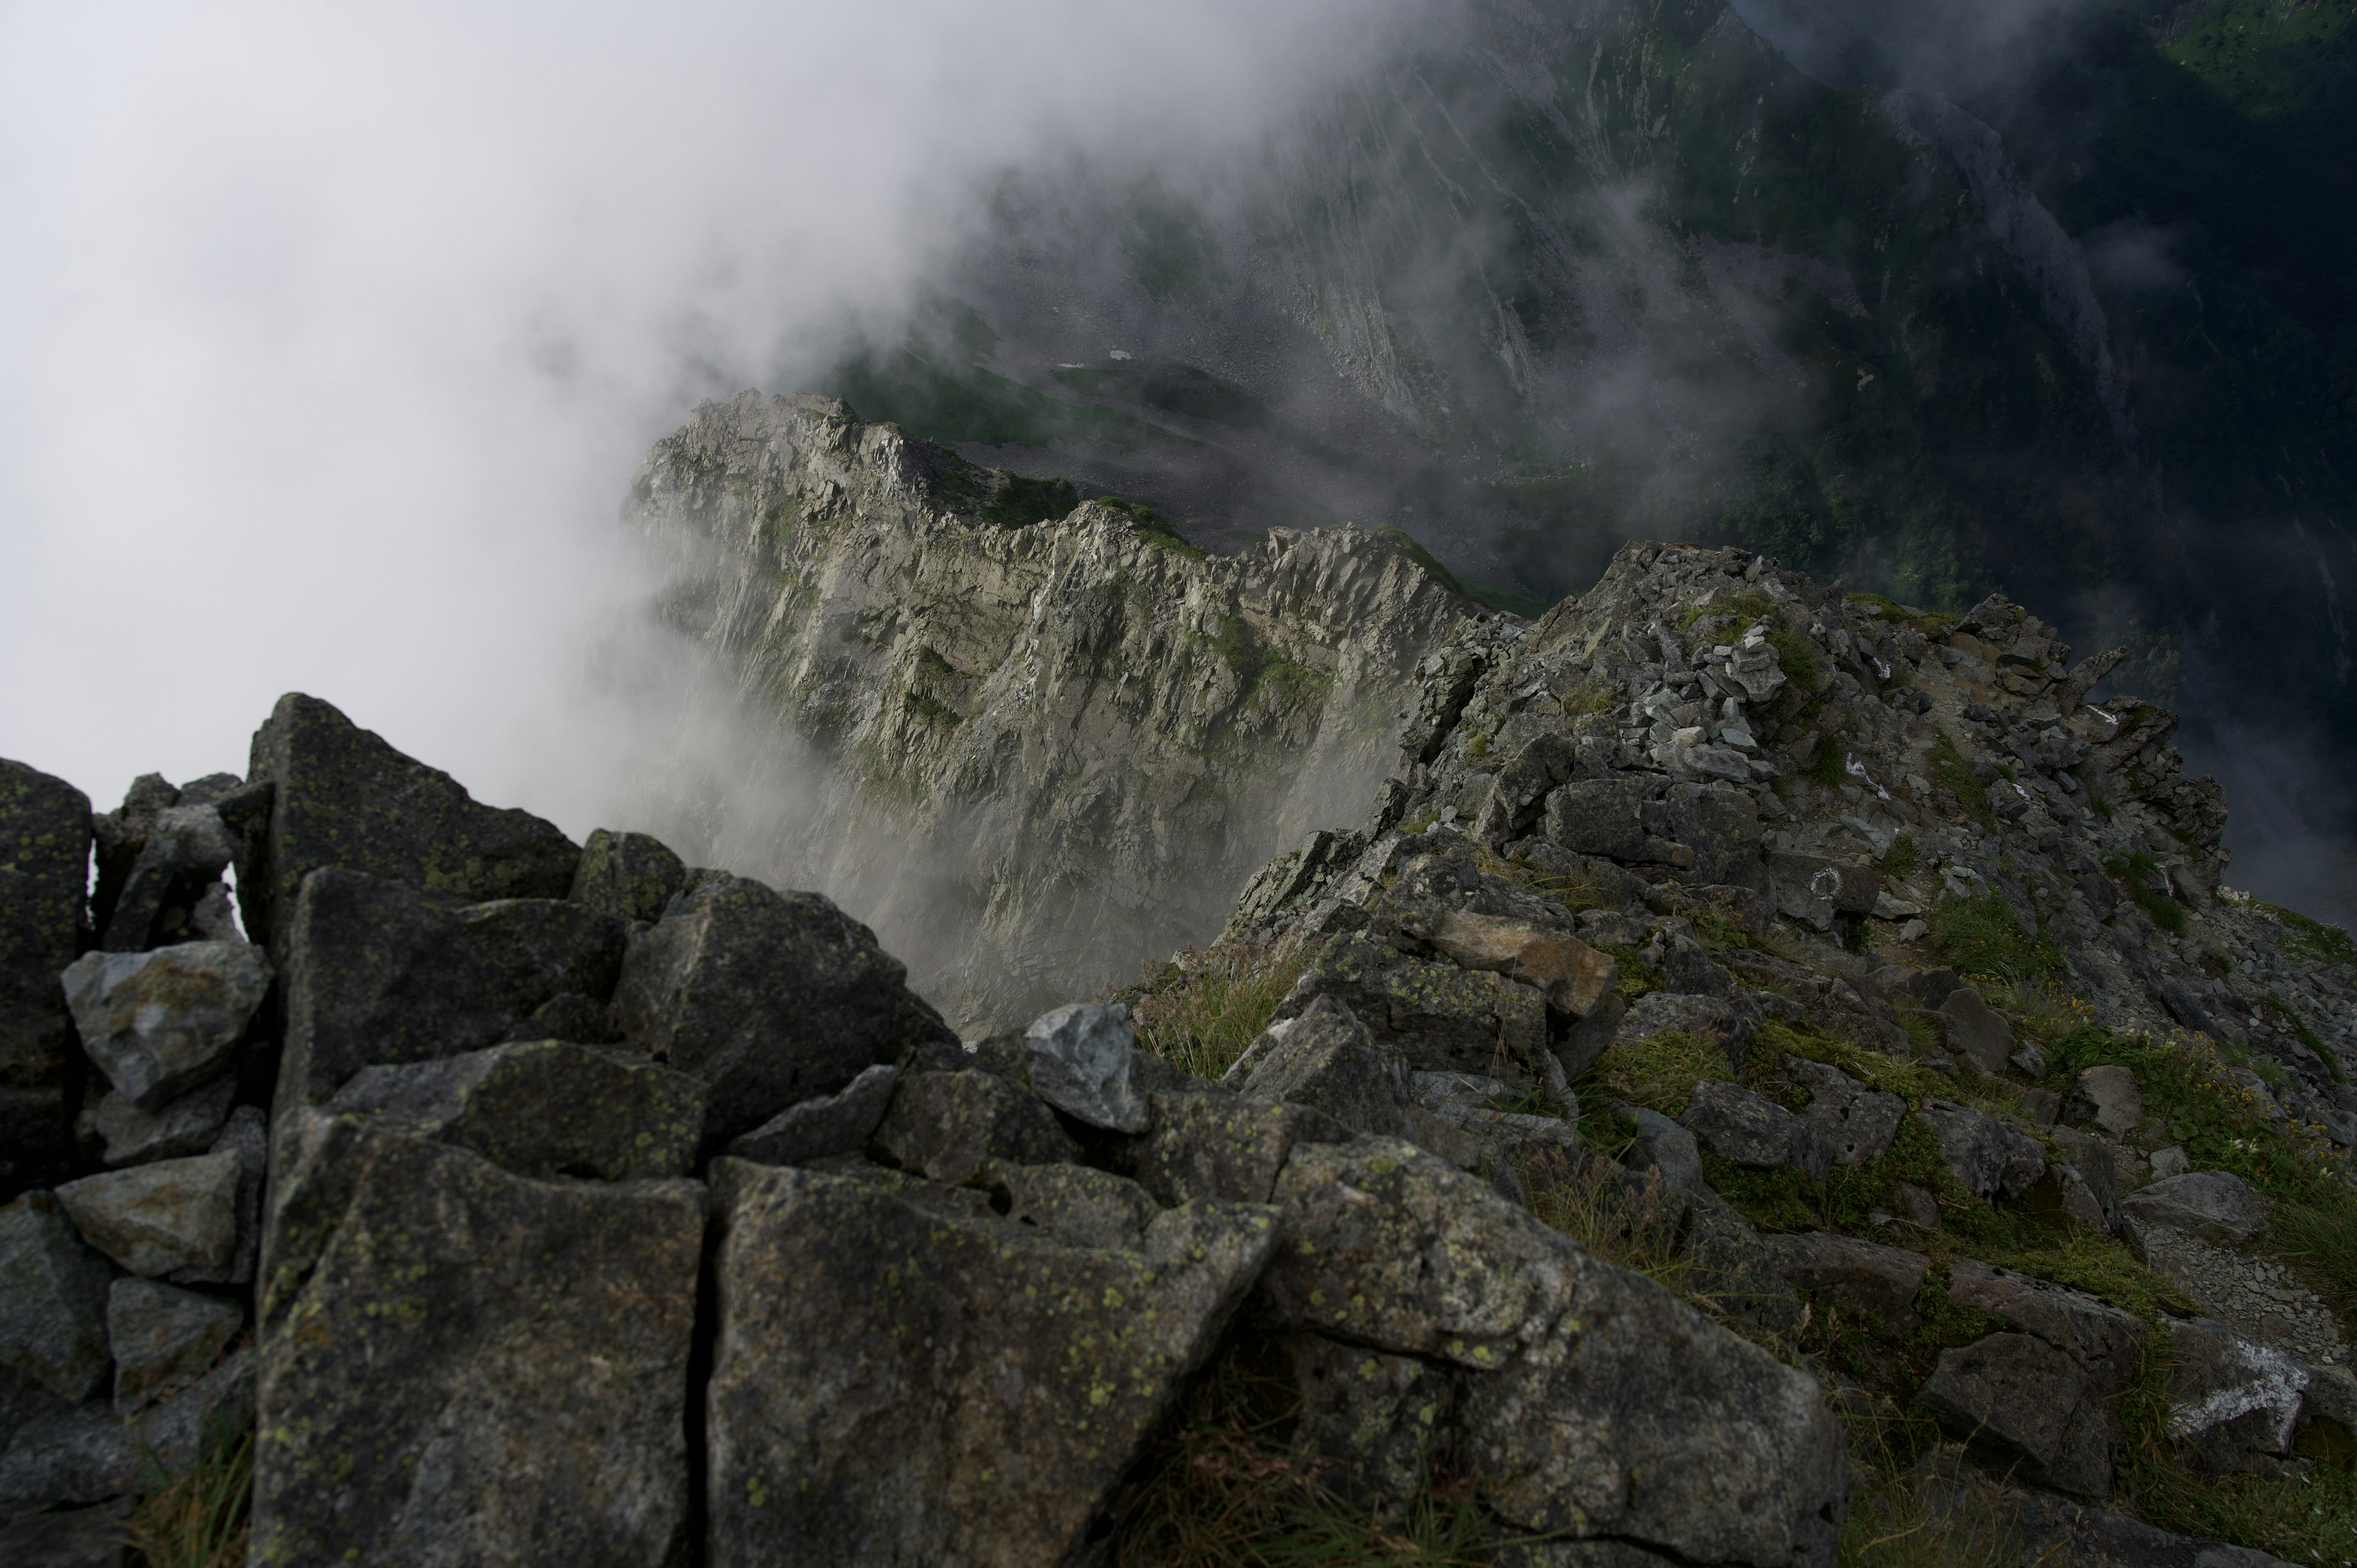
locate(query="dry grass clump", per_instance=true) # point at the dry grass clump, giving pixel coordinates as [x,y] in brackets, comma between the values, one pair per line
[199,1521]
[1660,1072]
[1203,1009]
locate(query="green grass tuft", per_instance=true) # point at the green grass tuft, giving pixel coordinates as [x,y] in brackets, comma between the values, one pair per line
[1202,1011]
[2135,872]
[1978,937]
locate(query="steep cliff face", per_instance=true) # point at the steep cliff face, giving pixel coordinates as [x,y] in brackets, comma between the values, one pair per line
[1036,747]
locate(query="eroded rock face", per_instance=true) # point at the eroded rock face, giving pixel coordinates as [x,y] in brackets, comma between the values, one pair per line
[1041,1363]
[1030,718]
[462,1364]
[45,835]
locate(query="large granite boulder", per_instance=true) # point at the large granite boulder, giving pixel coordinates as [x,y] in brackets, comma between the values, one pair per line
[45,836]
[1326,1059]
[950,1126]
[463,1365]
[341,796]
[770,997]
[1853,1123]
[943,1387]
[2031,1405]
[1751,1130]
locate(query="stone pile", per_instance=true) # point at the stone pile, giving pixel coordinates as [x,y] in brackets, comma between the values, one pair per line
[623,1211]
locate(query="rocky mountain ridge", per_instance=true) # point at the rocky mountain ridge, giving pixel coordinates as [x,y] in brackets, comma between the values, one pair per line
[1042,738]
[1624,1163]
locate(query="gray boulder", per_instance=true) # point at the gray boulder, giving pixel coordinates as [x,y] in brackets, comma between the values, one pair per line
[1439,1015]
[45,834]
[1327,1060]
[1041,1370]
[771,998]
[2236,1401]
[2108,1098]
[628,875]
[1222,1146]
[459,1364]
[2107,1342]
[378,975]
[1860,1275]
[52,1299]
[1736,1124]
[1853,1123]
[1660,1144]
[949,1126]
[2212,1205]
[157,1219]
[1975,1031]
[1597,1402]
[68,1538]
[186,1125]
[839,1124]
[176,1434]
[2030,1404]
[1728,1021]
[342,797]
[164,1339]
[2090,1157]
[158,1023]
[1080,1064]
[546,1109]
[1988,1157]
[1078,1203]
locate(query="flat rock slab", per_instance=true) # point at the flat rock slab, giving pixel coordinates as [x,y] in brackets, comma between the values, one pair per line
[344,796]
[839,1124]
[2233,1398]
[2212,1205]
[1975,1031]
[159,1219]
[1861,1276]
[933,1389]
[158,1023]
[547,1107]
[1595,1403]
[2030,1403]
[461,1365]
[2106,1341]
[2107,1097]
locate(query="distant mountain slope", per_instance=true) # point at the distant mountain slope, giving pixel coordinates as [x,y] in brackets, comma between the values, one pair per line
[1572,273]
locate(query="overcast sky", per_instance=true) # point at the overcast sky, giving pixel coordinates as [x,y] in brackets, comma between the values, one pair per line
[329,338]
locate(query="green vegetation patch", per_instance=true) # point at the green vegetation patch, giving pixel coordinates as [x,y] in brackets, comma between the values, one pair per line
[2136,873]
[1203,1010]
[2312,938]
[1956,776]
[1423,558]
[1660,1072]
[1978,936]
[1899,860]
[1020,501]
[1153,528]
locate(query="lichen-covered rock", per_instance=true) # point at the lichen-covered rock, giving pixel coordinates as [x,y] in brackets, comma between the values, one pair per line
[161,1219]
[158,1023]
[45,834]
[379,975]
[2106,1341]
[838,1123]
[459,1364]
[1600,1405]
[1439,1015]
[769,997]
[953,1126]
[1573,975]
[1224,1146]
[52,1299]
[1378,1424]
[628,875]
[341,796]
[1327,1060]
[1041,1367]
[544,1109]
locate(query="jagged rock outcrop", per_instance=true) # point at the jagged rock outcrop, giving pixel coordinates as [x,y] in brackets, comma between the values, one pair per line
[1044,739]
